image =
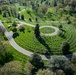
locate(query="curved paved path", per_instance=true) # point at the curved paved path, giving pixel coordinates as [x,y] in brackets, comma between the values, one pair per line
[22,50]
[52,34]
[16,46]
[42,34]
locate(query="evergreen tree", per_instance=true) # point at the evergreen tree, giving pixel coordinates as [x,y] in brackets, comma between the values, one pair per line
[0,11]
[22,17]
[4,14]
[37,32]
[18,16]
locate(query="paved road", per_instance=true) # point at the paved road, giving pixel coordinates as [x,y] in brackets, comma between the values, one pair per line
[24,51]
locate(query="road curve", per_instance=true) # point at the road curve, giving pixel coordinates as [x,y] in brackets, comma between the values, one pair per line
[24,51]
[16,46]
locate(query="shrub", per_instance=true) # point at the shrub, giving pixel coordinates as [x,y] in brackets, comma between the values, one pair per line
[44,72]
[14,24]
[60,27]
[15,34]
[11,68]
[65,47]
[22,17]
[36,61]
[21,28]
[13,29]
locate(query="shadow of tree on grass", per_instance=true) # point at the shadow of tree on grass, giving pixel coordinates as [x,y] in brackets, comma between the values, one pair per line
[42,41]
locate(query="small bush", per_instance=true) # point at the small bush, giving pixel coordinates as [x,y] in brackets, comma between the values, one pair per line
[21,28]
[15,35]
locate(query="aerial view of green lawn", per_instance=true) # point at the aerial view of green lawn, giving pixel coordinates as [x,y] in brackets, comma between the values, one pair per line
[37,37]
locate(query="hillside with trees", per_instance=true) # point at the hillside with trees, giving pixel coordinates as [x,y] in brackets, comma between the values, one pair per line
[37,37]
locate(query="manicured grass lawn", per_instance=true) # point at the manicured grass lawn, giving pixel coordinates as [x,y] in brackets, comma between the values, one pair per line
[27,16]
[6,25]
[17,55]
[47,30]
[19,6]
[28,41]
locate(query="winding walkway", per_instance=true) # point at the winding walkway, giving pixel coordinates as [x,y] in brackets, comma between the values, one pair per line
[42,34]
[24,51]
[16,46]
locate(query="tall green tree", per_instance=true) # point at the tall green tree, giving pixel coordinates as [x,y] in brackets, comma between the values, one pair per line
[0,11]
[65,47]
[37,31]
[5,54]
[22,17]
[36,61]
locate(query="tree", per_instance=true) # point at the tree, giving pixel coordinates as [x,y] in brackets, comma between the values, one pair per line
[36,61]
[65,47]
[55,3]
[29,68]
[60,26]
[13,29]
[36,19]
[5,14]
[14,24]
[36,31]
[61,64]
[43,8]
[5,7]
[11,68]
[18,16]
[60,72]
[5,54]
[44,72]
[30,19]
[74,59]
[0,11]
[21,28]
[69,21]
[13,11]
[2,30]
[22,17]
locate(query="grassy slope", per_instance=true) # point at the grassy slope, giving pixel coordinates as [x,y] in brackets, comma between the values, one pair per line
[28,41]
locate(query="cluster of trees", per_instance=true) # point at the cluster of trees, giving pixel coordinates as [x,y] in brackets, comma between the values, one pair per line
[10,12]
[40,7]
[36,66]
[54,66]
[37,31]
[5,55]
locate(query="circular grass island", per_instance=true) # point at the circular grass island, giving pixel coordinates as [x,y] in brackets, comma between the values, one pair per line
[49,30]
